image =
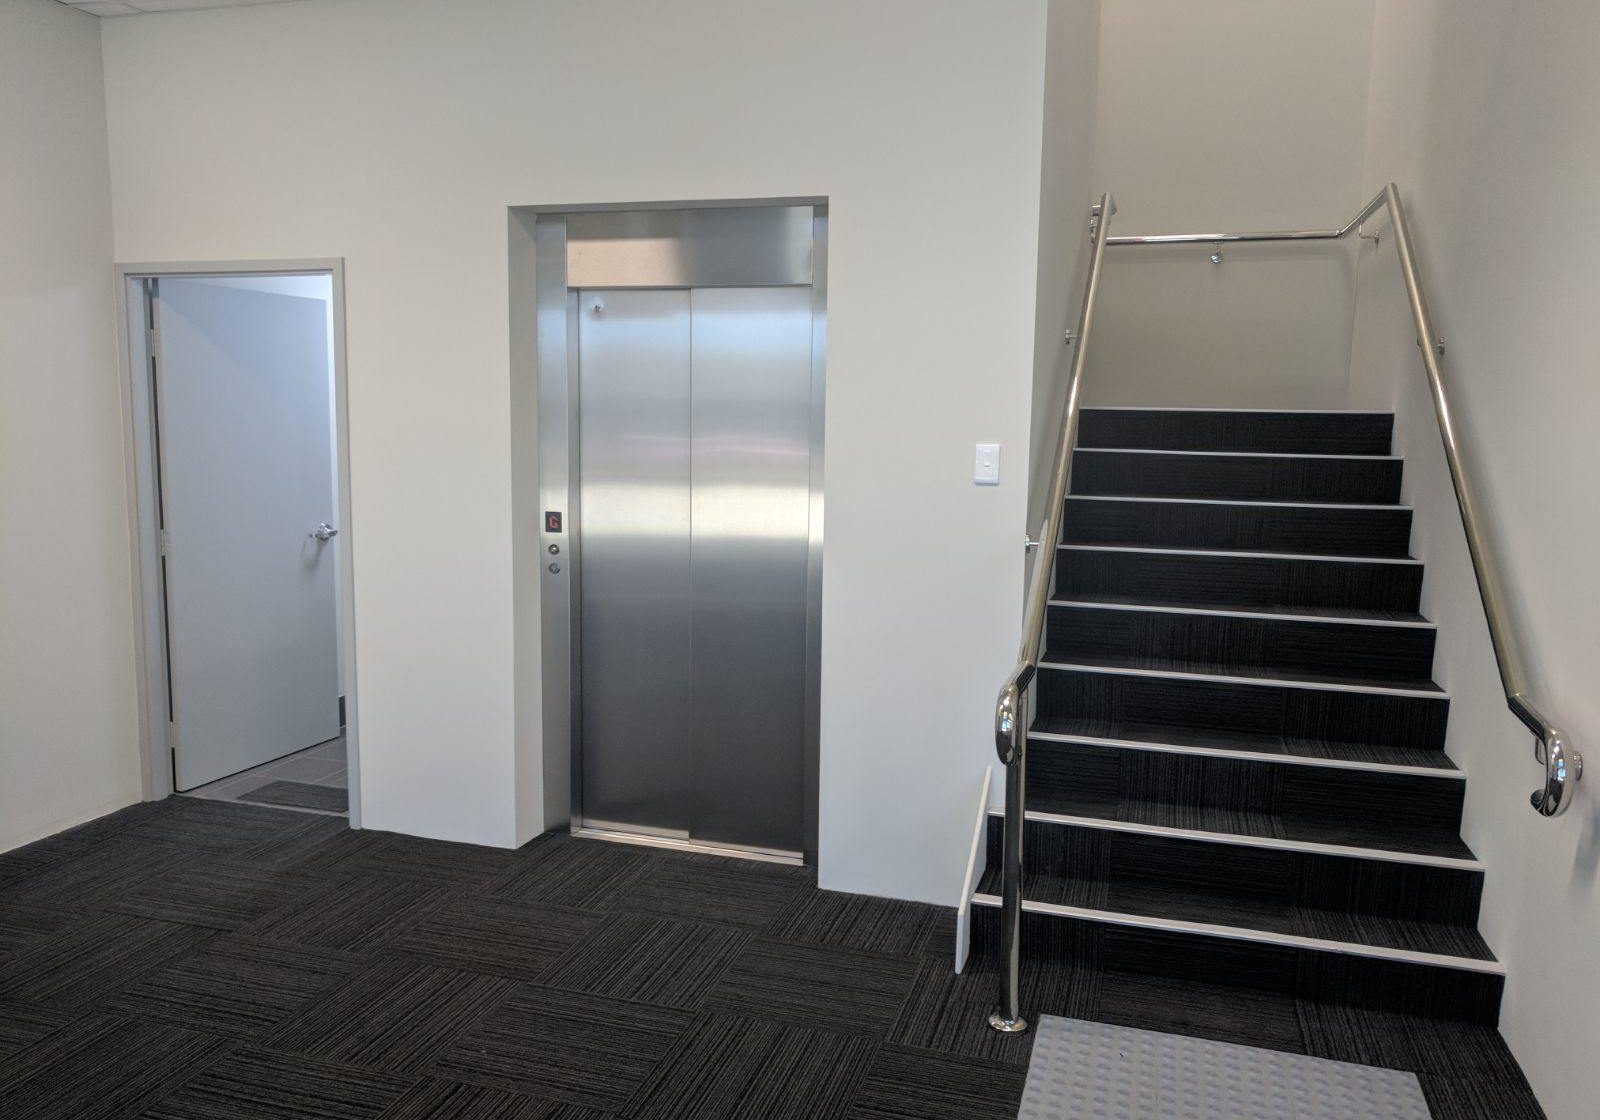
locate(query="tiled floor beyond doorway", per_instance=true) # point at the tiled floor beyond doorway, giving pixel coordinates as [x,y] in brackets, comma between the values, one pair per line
[205,960]
[322,766]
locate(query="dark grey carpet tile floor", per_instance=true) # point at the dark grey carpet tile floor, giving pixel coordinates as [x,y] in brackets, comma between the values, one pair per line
[95,958]
[1399,1041]
[854,921]
[397,1017]
[99,875]
[1229,1014]
[234,986]
[577,1049]
[815,986]
[217,895]
[102,1067]
[308,844]
[120,821]
[651,960]
[301,795]
[729,1068]
[1459,1098]
[939,938]
[502,937]
[435,1099]
[21,862]
[562,871]
[266,1086]
[219,826]
[23,1024]
[709,888]
[360,914]
[156,964]
[948,1012]
[908,1084]
[22,925]
[413,857]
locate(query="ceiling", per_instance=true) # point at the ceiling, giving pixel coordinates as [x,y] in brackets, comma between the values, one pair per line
[135,7]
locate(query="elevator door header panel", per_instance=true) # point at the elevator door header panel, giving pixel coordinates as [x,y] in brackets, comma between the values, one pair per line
[724,247]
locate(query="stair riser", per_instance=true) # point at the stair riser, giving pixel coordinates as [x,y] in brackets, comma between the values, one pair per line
[1310,975]
[1249,581]
[1061,774]
[1237,478]
[1128,864]
[1085,633]
[1299,713]
[1294,432]
[1332,531]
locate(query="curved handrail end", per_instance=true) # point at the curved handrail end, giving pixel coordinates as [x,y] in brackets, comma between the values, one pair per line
[1563,768]
[1005,723]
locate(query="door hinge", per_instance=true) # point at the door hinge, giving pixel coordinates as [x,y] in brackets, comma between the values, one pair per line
[172,737]
[166,542]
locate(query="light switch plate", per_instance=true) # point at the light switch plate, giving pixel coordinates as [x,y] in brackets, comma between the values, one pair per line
[986,465]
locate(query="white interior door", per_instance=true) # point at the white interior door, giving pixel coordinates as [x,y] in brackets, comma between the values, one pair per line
[246,465]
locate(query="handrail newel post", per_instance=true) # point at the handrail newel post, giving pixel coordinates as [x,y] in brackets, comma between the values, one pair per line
[1008,1018]
[1013,706]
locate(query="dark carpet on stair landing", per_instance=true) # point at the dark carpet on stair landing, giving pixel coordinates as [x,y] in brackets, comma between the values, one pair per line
[201,960]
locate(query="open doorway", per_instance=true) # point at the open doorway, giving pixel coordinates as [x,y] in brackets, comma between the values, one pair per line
[236,396]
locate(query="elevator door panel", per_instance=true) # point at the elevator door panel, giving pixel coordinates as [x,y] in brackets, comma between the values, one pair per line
[749,523]
[634,505]
[694,422]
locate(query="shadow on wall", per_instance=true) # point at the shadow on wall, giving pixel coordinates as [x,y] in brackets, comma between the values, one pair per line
[1269,327]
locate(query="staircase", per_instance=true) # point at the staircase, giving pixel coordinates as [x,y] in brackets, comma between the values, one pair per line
[1235,772]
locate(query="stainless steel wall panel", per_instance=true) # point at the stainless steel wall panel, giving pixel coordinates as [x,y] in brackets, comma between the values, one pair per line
[812,743]
[690,248]
[556,414]
[750,531]
[634,494]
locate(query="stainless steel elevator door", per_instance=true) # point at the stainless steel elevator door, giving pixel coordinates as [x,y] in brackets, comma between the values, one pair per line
[634,503]
[751,465]
[694,463]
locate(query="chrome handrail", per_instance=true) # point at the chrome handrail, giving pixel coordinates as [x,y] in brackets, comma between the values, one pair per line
[1011,709]
[1269,235]
[1562,765]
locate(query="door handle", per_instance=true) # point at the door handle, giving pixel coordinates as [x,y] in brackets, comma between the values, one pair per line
[324,532]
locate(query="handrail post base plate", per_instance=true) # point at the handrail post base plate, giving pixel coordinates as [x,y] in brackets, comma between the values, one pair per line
[999,1022]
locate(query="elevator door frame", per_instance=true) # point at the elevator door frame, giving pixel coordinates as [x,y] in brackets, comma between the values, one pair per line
[710,245]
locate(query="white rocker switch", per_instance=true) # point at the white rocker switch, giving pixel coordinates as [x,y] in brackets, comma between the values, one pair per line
[986,465]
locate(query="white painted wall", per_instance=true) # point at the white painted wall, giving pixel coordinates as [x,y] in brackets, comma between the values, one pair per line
[1228,115]
[1066,190]
[1483,113]
[69,739]
[397,135]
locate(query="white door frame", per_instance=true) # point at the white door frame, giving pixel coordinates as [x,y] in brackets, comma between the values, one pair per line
[149,651]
